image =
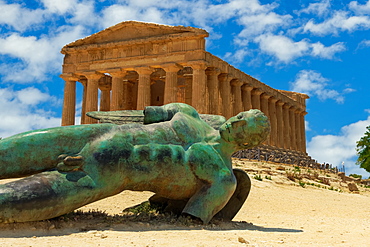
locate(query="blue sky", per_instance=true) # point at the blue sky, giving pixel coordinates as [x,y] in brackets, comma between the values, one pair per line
[321,48]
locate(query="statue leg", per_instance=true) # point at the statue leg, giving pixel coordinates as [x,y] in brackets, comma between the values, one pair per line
[217,182]
[47,195]
[210,199]
[36,151]
[237,200]
[226,214]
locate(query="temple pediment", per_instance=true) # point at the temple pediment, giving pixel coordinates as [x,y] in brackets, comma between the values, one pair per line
[133,30]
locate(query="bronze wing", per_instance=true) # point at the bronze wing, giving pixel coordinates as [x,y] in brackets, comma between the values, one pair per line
[137,116]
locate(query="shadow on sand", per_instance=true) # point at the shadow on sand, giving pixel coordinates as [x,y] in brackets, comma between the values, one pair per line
[79,222]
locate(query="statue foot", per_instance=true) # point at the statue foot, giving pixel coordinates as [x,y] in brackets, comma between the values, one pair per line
[68,163]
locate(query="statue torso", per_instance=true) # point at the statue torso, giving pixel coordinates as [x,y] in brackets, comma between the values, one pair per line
[156,157]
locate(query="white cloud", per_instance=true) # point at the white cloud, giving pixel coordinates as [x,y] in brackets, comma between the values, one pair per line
[313,83]
[199,13]
[19,111]
[340,21]
[282,47]
[319,50]
[256,24]
[361,9]
[159,3]
[320,8]
[118,13]
[307,126]
[253,16]
[236,57]
[19,18]
[204,13]
[83,14]
[60,7]
[336,149]
[285,49]
[32,96]
[38,56]
[364,43]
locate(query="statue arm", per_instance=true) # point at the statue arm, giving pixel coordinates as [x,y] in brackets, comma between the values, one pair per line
[157,114]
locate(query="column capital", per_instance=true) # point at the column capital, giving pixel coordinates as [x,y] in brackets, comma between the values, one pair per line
[273,99]
[265,96]
[197,65]
[93,75]
[171,67]
[280,103]
[257,91]
[105,87]
[286,106]
[117,73]
[224,77]
[213,71]
[297,110]
[292,109]
[247,87]
[69,77]
[236,83]
[144,70]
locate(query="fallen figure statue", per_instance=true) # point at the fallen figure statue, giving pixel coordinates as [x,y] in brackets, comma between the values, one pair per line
[183,159]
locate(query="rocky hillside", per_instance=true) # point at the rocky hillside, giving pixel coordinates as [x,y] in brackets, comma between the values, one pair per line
[301,176]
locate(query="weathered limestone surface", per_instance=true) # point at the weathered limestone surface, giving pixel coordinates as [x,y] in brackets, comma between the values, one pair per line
[135,64]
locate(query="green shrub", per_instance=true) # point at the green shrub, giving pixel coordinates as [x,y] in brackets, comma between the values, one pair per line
[258,177]
[355,176]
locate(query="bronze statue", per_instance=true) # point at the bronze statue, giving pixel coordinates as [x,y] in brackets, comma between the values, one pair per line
[175,154]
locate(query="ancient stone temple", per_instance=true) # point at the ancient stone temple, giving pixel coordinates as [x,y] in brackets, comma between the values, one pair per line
[133,64]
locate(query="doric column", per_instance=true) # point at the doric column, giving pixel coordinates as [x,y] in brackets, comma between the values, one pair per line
[236,92]
[247,97]
[170,86]
[225,91]
[188,88]
[303,131]
[298,132]
[273,121]
[126,95]
[293,141]
[83,108]
[143,91]
[265,109]
[287,126]
[117,102]
[69,102]
[92,95]
[105,98]
[199,87]
[256,99]
[280,124]
[265,104]
[213,90]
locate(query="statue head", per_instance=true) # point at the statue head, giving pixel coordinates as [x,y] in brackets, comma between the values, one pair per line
[246,130]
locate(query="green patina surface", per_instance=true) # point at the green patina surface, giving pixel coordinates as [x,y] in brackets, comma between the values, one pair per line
[175,153]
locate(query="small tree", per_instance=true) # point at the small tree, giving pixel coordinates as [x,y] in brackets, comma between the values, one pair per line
[363,150]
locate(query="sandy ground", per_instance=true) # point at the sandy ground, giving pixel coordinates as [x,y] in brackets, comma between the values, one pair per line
[278,212]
